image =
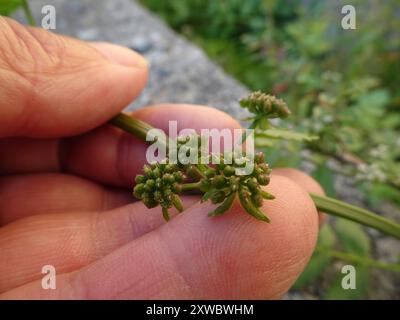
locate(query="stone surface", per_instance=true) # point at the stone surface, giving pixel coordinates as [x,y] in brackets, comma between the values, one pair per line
[180,72]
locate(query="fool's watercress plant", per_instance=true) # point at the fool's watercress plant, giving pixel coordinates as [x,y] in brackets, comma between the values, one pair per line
[161,183]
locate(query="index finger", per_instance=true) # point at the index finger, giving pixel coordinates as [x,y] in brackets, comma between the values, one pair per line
[54,86]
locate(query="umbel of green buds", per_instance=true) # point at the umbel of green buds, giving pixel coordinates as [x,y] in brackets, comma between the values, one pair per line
[265,105]
[160,184]
[222,185]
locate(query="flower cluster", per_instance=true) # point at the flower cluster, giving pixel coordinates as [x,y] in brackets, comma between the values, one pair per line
[160,184]
[222,185]
[265,105]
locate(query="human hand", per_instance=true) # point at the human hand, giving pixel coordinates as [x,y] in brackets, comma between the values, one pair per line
[65,189]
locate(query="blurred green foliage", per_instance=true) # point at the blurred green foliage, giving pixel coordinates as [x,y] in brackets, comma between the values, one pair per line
[342,85]
[8,6]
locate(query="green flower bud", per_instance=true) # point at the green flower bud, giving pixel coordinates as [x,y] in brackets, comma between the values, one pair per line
[257,200]
[253,185]
[264,167]
[138,190]
[258,171]
[262,104]
[158,196]
[218,181]
[140,179]
[168,178]
[150,183]
[229,171]
[178,176]
[147,170]
[156,172]
[177,202]
[259,158]
[159,183]
[169,168]
[263,179]
[150,203]
[210,173]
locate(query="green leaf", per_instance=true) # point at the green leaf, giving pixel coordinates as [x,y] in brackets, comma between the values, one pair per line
[9,6]
[274,133]
[325,176]
[319,261]
[336,291]
[352,237]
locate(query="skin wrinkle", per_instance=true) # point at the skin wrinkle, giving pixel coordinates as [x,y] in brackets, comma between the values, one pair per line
[26,49]
[215,257]
[126,287]
[43,66]
[76,247]
[171,254]
[46,57]
[134,225]
[94,245]
[28,83]
[184,284]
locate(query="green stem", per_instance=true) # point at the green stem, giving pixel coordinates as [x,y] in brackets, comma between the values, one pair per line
[28,13]
[252,126]
[362,216]
[197,172]
[325,204]
[190,186]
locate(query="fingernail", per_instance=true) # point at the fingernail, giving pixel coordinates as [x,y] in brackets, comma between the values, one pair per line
[121,55]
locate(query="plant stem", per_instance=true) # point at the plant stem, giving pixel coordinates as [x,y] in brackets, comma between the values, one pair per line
[133,126]
[28,13]
[244,137]
[360,215]
[190,186]
[331,206]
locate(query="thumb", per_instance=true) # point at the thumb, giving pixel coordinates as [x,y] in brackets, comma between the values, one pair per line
[53,85]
